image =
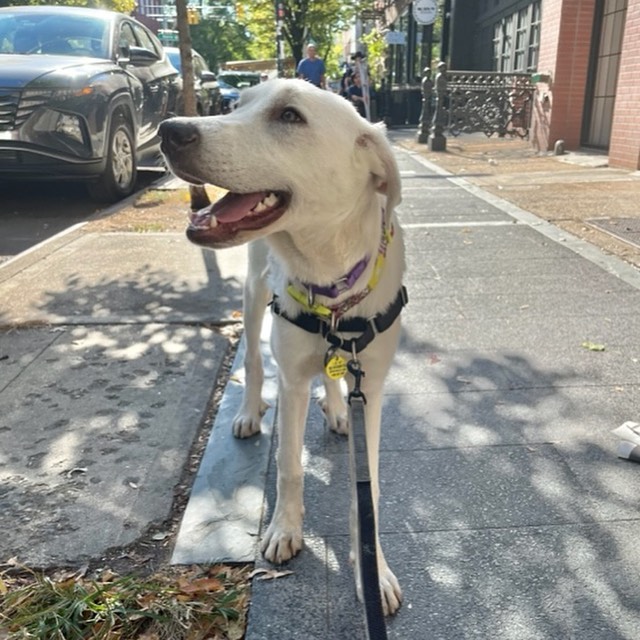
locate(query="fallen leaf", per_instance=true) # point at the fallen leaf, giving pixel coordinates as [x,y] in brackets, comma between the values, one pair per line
[593,346]
[269,574]
[3,587]
[200,585]
[161,535]
[108,576]
[76,470]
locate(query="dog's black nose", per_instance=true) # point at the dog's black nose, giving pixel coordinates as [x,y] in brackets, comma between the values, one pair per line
[178,135]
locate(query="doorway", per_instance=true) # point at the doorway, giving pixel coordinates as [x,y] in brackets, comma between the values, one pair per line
[605,63]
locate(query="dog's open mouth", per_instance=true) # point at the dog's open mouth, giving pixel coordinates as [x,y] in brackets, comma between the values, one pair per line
[218,223]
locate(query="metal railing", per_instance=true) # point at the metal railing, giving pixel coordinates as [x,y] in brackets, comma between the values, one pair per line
[487,102]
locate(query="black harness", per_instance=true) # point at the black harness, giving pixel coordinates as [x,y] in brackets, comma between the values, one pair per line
[368,328]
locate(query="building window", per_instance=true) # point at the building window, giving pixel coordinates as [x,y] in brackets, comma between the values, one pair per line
[521,40]
[534,37]
[516,40]
[497,39]
[506,62]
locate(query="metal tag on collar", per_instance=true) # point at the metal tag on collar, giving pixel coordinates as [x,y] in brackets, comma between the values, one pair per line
[335,366]
[333,323]
[311,297]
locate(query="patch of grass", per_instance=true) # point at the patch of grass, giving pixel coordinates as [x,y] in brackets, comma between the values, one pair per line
[148,227]
[176,604]
[152,197]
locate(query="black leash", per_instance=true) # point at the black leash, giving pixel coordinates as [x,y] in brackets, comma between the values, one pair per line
[366,543]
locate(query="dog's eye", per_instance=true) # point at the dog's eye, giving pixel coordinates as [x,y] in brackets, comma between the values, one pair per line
[290,115]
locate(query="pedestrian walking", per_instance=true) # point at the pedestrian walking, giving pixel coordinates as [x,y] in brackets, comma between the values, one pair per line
[312,68]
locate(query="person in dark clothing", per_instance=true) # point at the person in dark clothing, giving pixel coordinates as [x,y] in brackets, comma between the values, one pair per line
[356,96]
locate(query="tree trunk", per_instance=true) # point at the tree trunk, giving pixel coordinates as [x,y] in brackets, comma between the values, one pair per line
[186,59]
[197,193]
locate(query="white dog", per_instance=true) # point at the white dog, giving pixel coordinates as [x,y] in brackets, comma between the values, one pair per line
[319,184]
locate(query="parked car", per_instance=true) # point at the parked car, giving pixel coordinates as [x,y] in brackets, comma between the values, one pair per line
[208,97]
[231,82]
[82,92]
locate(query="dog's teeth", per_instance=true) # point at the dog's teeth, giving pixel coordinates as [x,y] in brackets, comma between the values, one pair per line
[271,199]
[261,206]
[266,202]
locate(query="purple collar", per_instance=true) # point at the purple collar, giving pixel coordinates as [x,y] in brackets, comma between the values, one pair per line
[342,284]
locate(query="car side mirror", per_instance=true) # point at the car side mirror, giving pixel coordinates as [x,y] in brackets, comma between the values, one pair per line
[140,57]
[207,77]
[124,55]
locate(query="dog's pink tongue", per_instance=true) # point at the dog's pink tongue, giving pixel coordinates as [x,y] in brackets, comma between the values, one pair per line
[235,206]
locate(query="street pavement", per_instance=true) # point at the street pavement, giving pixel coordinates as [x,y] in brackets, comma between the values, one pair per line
[505,512]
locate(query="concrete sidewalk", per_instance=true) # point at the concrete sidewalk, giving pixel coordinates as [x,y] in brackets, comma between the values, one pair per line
[505,513]
[109,355]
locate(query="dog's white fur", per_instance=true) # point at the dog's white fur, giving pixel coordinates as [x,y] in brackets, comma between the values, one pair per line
[339,170]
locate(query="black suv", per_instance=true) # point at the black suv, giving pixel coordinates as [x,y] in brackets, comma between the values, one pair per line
[82,92]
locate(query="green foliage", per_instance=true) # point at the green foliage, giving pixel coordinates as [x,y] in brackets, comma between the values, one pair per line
[219,40]
[376,49]
[304,21]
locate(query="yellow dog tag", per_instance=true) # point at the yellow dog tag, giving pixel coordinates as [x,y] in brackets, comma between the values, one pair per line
[335,366]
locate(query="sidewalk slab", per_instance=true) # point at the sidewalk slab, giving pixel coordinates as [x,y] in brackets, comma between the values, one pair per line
[96,424]
[222,519]
[126,277]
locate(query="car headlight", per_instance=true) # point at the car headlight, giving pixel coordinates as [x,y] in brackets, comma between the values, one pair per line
[49,111]
[69,126]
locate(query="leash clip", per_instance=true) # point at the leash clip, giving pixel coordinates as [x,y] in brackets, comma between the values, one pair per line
[333,322]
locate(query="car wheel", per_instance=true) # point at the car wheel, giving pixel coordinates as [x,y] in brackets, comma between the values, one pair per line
[119,177]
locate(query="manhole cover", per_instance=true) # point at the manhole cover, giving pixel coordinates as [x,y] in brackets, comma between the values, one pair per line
[626,229]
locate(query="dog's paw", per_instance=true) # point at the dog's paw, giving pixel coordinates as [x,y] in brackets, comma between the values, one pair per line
[336,416]
[247,422]
[281,543]
[390,591]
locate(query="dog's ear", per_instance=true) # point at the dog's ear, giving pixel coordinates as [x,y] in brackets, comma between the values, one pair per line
[382,164]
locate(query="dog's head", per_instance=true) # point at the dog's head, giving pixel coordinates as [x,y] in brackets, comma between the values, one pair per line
[288,153]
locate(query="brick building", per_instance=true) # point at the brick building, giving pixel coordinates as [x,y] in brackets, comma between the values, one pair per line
[587,57]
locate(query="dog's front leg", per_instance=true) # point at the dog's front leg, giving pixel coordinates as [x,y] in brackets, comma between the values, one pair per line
[389,586]
[255,298]
[334,406]
[283,538]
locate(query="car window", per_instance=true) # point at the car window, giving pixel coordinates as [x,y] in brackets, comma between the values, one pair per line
[53,34]
[174,59]
[127,37]
[241,80]
[145,40]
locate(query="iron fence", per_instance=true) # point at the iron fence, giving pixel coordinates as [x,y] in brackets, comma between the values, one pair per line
[488,102]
